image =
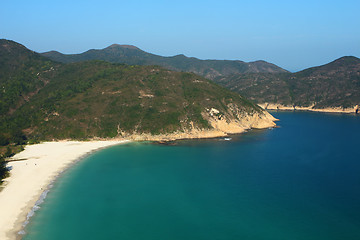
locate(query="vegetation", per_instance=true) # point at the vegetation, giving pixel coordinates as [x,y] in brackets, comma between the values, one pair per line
[21,75]
[5,153]
[336,84]
[134,56]
[3,170]
[99,99]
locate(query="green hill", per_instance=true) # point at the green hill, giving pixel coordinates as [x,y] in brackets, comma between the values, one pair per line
[21,75]
[336,84]
[100,99]
[134,56]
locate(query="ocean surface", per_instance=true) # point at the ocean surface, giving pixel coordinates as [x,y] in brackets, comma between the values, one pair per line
[298,181]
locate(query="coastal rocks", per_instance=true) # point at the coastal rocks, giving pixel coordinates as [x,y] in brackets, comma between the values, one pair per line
[274,106]
[191,134]
[260,120]
[235,120]
[213,112]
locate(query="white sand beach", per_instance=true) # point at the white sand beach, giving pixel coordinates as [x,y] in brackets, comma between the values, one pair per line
[38,165]
[32,171]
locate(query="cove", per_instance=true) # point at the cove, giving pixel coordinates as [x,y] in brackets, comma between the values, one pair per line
[298,181]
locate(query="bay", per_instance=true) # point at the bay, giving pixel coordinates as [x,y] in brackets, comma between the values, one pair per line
[298,181]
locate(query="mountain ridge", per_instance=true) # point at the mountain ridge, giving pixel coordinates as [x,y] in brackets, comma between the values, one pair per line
[332,85]
[209,68]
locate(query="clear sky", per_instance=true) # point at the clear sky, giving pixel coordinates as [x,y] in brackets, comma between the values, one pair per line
[292,34]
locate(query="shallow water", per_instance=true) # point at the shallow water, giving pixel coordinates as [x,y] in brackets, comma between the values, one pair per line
[298,181]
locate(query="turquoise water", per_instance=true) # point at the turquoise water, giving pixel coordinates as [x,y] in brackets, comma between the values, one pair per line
[298,181]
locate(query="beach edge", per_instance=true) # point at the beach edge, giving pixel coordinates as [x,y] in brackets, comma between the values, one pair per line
[27,163]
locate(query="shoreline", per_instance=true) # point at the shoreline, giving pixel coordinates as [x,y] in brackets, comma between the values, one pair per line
[280,107]
[35,169]
[32,175]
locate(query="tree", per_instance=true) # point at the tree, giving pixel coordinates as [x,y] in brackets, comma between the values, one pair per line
[3,140]
[3,170]
[18,137]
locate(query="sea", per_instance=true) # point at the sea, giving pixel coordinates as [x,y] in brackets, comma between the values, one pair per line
[298,181]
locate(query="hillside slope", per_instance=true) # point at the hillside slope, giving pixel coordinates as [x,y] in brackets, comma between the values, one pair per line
[99,99]
[95,99]
[134,56]
[336,84]
[22,74]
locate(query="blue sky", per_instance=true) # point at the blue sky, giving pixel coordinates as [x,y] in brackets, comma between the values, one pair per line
[292,34]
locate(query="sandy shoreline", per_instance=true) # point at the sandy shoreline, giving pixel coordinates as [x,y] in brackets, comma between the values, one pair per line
[38,166]
[35,168]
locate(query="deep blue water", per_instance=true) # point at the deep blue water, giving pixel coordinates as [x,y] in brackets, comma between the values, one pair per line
[298,181]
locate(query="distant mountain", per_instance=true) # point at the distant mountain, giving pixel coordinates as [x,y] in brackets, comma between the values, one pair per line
[47,100]
[336,84]
[134,56]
